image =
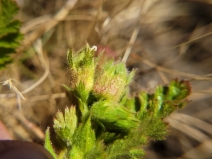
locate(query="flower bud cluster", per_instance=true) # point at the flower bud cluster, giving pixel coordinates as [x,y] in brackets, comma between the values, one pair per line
[107,83]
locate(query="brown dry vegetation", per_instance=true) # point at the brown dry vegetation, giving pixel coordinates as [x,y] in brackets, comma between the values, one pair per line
[165,39]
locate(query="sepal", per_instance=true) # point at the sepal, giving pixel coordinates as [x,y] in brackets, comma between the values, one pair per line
[82,68]
[113,116]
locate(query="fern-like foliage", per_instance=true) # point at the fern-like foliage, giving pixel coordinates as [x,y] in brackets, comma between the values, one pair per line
[112,124]
[9,31]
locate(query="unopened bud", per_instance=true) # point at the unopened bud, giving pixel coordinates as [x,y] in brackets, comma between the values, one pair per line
[113,116]
[111,81]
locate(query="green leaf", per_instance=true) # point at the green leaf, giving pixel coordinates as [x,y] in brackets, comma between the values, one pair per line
[98,152]
[178,90]
[142,104]
[48,144]
[70,57]
[130,104]
[10,28]
[10,40]
[128,147]
[159,98]
[67,87]
[84,141]
[8,9]
[81,92]
[10,35]
[155,128]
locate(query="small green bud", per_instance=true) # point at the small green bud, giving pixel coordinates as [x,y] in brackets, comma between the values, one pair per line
[113,116]
[65,125]
[130,104]
[111,81]
[158,99]
[143,101]
[82,67]
[178,90]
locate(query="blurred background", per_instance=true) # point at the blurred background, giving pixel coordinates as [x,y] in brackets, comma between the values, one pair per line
[161,39]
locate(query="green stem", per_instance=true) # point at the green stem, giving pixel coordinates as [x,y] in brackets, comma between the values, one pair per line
[84,110]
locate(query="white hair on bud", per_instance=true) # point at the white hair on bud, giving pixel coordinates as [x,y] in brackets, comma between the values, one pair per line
[94,48]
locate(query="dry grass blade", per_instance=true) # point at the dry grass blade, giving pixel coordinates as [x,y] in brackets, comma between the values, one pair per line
[55,19]
[186,129]
[32,24]
[47,97]
[189,120]
[12,86]
[204,114]
[131,42]
[32,128]
[170,71]
[203,151]
[39,49]
[187,42]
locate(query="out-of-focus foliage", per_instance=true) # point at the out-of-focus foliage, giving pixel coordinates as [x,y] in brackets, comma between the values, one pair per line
[9,31]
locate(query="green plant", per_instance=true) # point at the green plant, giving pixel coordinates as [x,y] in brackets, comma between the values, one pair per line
[10,35]
[111,124]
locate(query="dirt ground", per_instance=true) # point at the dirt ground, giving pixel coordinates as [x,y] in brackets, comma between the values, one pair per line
[161,39]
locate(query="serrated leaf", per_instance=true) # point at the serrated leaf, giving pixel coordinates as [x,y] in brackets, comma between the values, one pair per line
[84,140]
[130,104]
[142,104]
[98,152]
[10,35]
[8,9]
[155,128]
[81,92]
[158,97]
[11,40]
[48,144]
[10,28]
[177,90]
[70,57]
